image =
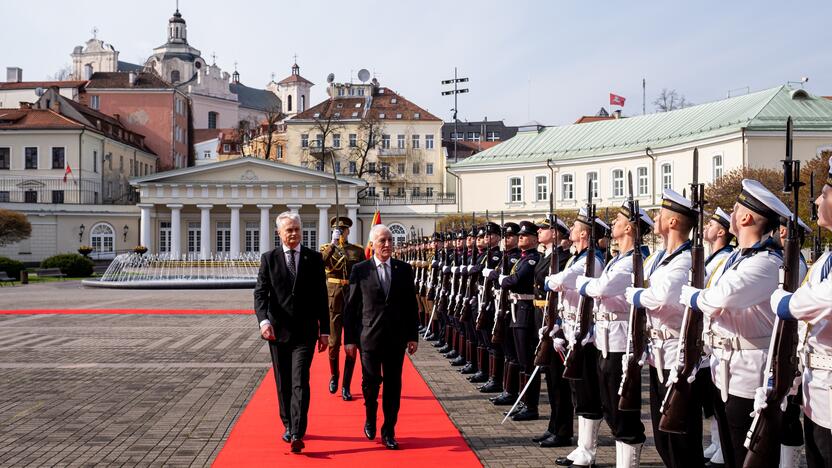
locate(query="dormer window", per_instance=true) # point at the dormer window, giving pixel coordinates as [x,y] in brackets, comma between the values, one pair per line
[337,115]
[317,114]
[357,105]
[355,114]
[394,101]
[398,116]
[381,115]
[339,105]
[416,115]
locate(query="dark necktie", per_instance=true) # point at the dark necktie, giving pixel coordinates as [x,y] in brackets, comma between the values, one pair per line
[827,268]
[293,268]
[385,279]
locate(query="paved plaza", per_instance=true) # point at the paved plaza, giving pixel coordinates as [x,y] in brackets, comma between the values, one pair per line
[153,390]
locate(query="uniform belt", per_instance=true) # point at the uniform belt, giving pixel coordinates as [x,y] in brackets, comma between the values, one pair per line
[736,343]
[820,361]
[541,303]
[515,297]
[662,334]
[338,281]
[605,316]
[571,316]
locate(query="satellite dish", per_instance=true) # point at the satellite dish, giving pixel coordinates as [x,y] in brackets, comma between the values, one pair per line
[363,75]
[330,78]
[39,91]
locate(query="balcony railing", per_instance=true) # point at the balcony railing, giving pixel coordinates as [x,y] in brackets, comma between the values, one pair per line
[408,199]
[49,190]
[392,152]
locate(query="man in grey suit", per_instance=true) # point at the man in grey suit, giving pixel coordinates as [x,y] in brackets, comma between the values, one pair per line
[290,301]
[382,319]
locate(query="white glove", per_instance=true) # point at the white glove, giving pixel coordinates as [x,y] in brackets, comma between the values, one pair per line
[760,397]
[486,272]
[540,333]
[630,293]
[455,269]
[560,345]
[463,269]
[555,330]
[687,293]
[798,381]
[500,279]
[553,282]
[672,378]
[589,338]
[336,234]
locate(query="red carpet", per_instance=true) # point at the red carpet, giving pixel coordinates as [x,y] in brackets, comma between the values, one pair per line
[129,311]
[335,434]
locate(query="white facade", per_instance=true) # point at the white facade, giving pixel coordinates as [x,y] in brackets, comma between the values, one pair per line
[94,56]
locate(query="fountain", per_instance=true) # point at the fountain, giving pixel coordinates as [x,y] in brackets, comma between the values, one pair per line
[163,271]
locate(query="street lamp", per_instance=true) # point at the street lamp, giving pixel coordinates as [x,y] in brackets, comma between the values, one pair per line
[412,232]
[125,230]
[456,91]
[81,233]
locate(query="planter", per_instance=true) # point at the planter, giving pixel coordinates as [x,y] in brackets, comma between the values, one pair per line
[140,249]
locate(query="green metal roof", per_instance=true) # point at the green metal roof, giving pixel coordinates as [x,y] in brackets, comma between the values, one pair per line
[761,110]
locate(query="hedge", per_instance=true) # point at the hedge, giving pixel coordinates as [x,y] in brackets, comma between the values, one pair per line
[11,267]
[73,265]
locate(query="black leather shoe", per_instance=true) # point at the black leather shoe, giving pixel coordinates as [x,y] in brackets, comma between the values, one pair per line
[346,395]
[478,377]
[563,461]
[711,464]
[439,344]
[297,444]
[445,348]
[556,441]
[390,442]
[504,400]
[468,369]
[369,430]
[452,354]
[517,409]
[491,387]
[333,384]
[286,436]
[542,437]
[458,361]
[526,415]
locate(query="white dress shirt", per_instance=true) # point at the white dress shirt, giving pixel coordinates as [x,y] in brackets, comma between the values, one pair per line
[570,297]
[608,292]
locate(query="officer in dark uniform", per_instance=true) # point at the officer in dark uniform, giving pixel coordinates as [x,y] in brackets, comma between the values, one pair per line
[469,303]
[435,273]
[489,258]
[339,257]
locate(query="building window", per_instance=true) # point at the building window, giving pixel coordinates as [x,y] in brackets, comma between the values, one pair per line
[336,140]
[400,141]
[457,136]
[57,196]
[642,180]
[385,141]
[428,141]
[417,116]
[429,192]
[174,76]
[667,176]
[592,179]
[541,184]
[473,136]
[226,148]
[4,196]
[414,143]
[212,119]
[95,102]
[302,103]
[309,236]
[618,183]
[717,162]
[289,103]
[340,91]
[353,169]
[223,237]
[400,168]
[492,136]
[400,192]
[102,238]
[319,165]
[381,115]
[385,170]
[338,166]
[30,196]
[386,192]
[371,167]
[164,236]
[279,152]
[31,156]
[353,140]
[416,192]
[95,161]
[416,168]
[304,140]
[515,186]
[194,237]
[429,168]
[371,191]
[319,140]
[253,237]
[399,233]
[5,158]
[121,163]
[567,187]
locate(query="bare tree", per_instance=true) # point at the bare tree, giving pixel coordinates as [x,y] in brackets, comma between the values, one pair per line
[669,100]
[368,138]
[261,137]
[63,74]
[324,126]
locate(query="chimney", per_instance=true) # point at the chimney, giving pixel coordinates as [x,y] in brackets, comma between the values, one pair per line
[14,75]
[617,114]
[131,78]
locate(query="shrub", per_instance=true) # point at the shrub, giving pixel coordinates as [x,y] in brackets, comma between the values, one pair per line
[70,264]
[11,267]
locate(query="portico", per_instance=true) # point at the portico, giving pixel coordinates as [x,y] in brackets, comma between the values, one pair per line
[228,209]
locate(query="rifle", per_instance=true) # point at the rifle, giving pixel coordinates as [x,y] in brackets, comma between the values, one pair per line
[543,354]
[763,438]
[440,299]
[487,291]
[502,302]
[674,407]
[630,389]
[454,275]
[574,362]
[461,289]
[813,212]
[473,283]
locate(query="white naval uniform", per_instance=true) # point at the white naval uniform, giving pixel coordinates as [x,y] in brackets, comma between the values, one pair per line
[812,304]
[711,265]
[661,300]
[611,320]
[570,297]
[737,304]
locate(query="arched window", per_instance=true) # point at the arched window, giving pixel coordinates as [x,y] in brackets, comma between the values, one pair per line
[399,234]
[174,76]
[289,104]
[102,240]
[717,163]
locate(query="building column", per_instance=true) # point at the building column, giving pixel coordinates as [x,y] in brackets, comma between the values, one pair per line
[323,224]
[145,237]
[205,231]
[235,230]
[265,231]
[294,208]
[175,231]
[352,213]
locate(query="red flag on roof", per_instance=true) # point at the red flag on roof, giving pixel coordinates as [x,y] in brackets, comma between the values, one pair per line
[368,251]
[67,172]
[616,100]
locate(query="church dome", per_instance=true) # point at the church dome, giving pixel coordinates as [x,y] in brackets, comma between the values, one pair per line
[176,18]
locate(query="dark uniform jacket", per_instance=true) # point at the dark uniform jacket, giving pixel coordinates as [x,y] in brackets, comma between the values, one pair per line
[521,281]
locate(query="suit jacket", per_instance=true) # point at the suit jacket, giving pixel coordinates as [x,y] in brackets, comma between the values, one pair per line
[297,310]
[376,322]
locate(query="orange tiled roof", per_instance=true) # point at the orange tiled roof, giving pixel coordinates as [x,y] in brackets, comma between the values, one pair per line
[381,104]
[43,84]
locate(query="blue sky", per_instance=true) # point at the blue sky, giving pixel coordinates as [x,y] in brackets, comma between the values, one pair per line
[527,60]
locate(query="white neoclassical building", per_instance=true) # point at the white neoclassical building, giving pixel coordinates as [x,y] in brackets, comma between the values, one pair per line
[229,208]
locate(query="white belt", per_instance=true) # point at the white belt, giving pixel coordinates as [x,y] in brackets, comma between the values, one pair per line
[605,316]
[736,343]
[661,335]
[515,297]
[570,316]
[820,361]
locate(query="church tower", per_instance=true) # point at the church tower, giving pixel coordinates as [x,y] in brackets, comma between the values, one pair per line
[294,92]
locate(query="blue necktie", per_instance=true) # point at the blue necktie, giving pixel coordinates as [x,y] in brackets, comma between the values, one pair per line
[827,268]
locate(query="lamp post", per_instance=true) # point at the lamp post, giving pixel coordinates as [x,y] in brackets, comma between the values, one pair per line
[81,229]
[455,92]
[125,230]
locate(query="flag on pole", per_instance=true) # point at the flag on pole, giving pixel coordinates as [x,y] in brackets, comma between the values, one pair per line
[67,173]
[616,100]
[368,251]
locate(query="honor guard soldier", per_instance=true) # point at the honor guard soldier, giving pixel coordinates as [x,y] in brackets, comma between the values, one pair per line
[443,292]
[811,304]
[737,304]
[559,431]
[489,259]
[339,257]
[586,396]
[457,353]
[479,351]
[718,236]
[470,337]
[611,333]
[434,280]
[666,272]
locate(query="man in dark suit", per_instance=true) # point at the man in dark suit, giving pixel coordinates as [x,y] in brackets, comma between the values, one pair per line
[382,318]
[290,301]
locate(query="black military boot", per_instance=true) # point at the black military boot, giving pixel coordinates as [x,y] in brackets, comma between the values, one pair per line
[460,360]
[349,366]
[482,374]
[471,359]
[511,380]
[495,379]
[530,399]
[333,371]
